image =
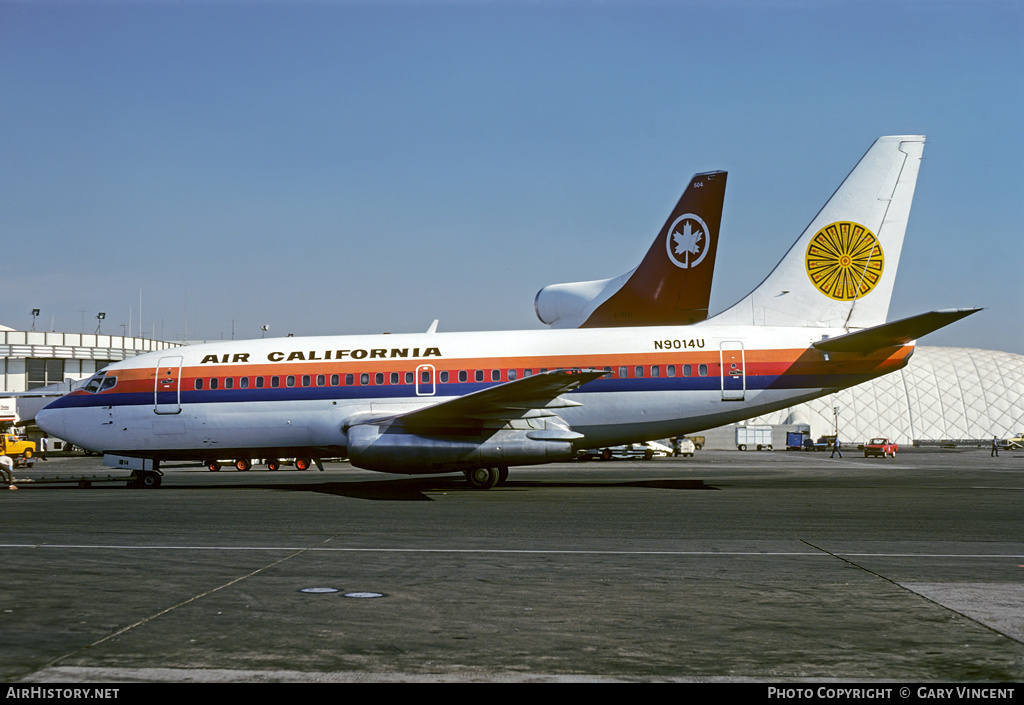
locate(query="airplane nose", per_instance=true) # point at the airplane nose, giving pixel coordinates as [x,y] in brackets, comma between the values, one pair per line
[51,421]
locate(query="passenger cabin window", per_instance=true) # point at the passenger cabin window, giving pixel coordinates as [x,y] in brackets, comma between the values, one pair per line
[444,376]
[378,378]
[463,376]
[479,375]
[702,370]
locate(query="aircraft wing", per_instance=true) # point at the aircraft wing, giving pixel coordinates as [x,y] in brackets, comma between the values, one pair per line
[898,332]
[531,396]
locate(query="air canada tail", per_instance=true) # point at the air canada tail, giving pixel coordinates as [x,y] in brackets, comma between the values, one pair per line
[671,286]
[841,270]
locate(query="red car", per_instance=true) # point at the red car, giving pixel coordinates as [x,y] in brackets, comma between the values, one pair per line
[880,447]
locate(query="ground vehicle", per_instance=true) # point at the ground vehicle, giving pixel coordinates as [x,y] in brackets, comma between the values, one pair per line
[794,440]
[823,443]
[759,437]
[17,447]
[1015,443]
[645,451]
[245,464]
[880,446]
[698,441]
[685,447]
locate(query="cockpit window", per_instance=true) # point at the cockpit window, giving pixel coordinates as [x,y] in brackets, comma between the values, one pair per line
[99,383]
[93,385]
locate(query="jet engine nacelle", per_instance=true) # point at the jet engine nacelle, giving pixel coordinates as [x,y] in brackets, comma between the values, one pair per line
[393,449]
[569,305]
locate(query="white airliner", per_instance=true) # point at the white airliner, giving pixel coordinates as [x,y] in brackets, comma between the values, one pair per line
[481,402]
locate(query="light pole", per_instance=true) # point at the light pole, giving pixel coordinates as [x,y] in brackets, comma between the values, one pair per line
[99,317]
[35,315]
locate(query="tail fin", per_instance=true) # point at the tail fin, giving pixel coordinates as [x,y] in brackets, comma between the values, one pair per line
[672,285]
[840,272]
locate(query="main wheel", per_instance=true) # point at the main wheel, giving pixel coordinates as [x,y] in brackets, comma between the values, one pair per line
[243,464]
[303,463]
[273,464]
[212,465]
[482,478]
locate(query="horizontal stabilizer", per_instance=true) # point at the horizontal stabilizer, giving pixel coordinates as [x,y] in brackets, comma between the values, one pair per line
[898,332]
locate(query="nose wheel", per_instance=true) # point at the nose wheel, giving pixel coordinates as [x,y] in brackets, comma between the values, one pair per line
[486,478]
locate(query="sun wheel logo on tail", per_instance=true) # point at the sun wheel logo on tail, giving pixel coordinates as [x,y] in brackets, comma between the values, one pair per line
[844,261]
[687,241]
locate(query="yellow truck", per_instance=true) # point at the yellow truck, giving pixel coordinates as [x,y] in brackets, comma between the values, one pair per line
[18,448]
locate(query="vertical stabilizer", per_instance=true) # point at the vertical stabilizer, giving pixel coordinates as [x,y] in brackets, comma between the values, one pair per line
[840,272]
[671,286]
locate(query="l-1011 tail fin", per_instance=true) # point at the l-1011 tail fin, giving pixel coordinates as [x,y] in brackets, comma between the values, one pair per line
[672,285]
[840,272]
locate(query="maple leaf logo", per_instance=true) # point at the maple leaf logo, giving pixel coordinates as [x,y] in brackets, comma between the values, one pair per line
[688,240]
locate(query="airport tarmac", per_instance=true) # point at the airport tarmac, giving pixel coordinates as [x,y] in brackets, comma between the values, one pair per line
[730,566]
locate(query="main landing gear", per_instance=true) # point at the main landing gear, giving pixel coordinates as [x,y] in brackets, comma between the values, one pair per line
[486,478]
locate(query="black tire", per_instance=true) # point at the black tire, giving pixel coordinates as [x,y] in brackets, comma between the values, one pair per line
[149,480]
[482,478]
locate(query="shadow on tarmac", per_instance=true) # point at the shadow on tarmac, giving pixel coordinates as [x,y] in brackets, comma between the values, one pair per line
[411,489]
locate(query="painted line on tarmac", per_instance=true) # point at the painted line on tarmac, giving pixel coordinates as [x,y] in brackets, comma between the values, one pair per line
[601,552]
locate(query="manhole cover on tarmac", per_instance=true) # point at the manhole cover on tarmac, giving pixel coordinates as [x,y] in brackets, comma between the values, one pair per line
[318,590]
[364,595]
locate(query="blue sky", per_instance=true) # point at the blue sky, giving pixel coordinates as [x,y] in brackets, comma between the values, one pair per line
[357,167]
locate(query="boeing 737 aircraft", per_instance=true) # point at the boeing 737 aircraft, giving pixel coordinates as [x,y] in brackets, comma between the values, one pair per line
[672,285]
[481,402]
